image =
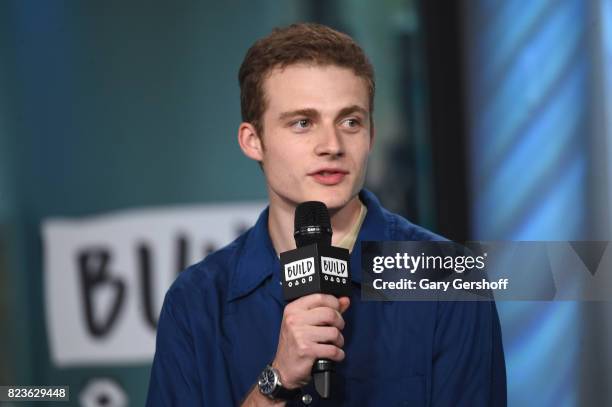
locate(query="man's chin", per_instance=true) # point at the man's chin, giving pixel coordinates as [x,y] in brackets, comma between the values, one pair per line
[334,200]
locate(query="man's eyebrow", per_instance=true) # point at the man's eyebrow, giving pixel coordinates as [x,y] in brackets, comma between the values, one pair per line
[312,113]
[298,112]
[352,109]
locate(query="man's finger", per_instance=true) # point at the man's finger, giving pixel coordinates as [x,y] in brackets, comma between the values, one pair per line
[344,302]
[323,316]
[316,300]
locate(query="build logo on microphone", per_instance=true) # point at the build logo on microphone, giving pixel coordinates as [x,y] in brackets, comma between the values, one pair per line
[337,269]
[299,269]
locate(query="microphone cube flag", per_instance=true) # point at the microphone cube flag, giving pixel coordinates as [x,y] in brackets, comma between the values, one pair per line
[315,268]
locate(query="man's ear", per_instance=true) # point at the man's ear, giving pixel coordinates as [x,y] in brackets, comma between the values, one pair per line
[372,135]
[250,142]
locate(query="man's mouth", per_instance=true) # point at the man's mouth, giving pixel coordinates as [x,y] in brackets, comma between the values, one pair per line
[329,176]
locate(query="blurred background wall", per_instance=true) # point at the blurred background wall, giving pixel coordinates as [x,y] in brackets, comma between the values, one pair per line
[539,149]
[493,122]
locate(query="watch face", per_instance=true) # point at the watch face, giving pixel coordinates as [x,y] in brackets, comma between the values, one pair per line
[267,381]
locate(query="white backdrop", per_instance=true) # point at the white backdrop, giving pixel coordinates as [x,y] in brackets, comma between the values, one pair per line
[105,276]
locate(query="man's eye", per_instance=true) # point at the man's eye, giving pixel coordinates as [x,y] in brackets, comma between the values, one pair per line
[351,123]
[301,124]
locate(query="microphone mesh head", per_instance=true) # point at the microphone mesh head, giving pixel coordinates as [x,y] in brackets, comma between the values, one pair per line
[312,223]
[311,213]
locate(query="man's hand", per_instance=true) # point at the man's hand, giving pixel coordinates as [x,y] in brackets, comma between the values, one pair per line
[310,330]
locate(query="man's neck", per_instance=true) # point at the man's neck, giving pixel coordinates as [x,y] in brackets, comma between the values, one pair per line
[281,218]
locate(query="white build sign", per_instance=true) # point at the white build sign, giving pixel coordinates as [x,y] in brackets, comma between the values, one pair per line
[105,276]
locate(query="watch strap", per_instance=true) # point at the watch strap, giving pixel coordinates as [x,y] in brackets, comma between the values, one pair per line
[282,393]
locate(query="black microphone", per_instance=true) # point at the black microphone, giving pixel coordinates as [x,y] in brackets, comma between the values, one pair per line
[315,267]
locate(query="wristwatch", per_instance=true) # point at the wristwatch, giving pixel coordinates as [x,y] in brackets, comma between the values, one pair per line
[270,385]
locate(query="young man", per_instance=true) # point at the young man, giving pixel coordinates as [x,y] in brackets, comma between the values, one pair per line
[307,95]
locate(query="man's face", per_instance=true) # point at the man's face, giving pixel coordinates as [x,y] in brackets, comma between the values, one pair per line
[316,134]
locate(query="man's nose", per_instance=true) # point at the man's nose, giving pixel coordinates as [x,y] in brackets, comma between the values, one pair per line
[330,142]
